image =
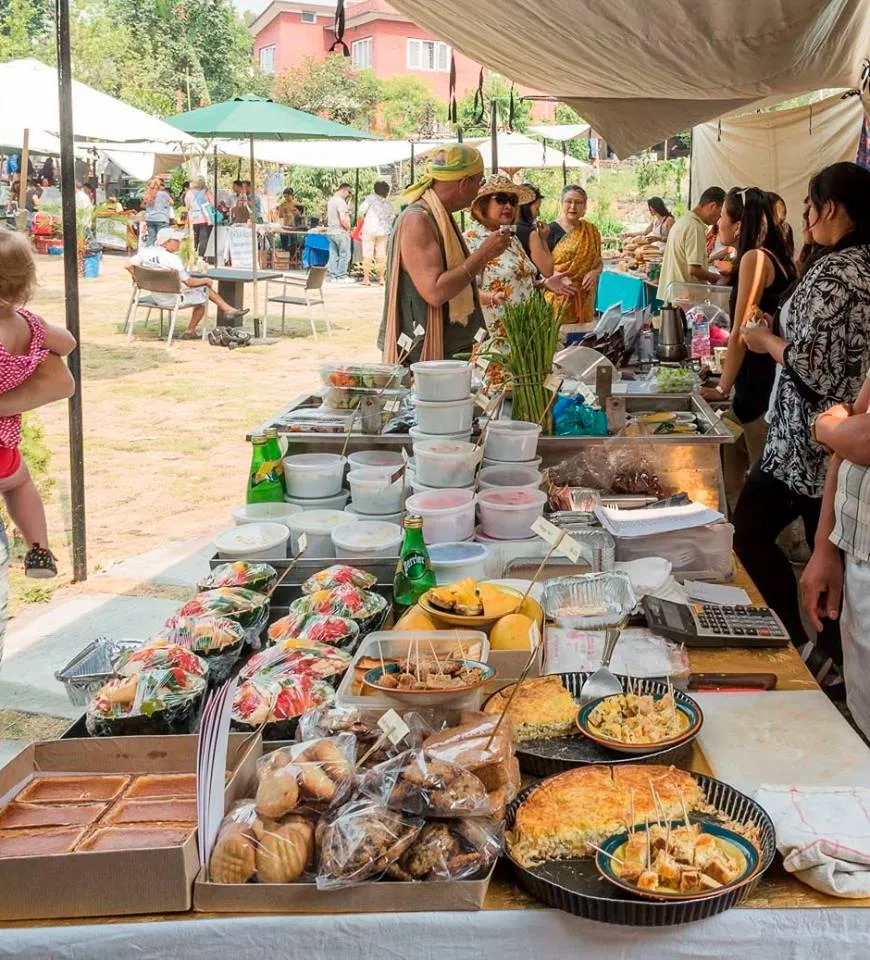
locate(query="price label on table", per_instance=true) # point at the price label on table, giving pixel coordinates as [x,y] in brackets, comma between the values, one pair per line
[302,542]
[419,330]
[547,531]
[480,336]
[571,549]
[553,383]
[534,635]
[405,342]
[394,727]
[391,406]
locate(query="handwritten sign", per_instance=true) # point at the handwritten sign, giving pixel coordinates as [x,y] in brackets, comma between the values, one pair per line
[302,543]
[394,727]
[570,548]
[405,342]
[241,248]
[547,531]
[480,336]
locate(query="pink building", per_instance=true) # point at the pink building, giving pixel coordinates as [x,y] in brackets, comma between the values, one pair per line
[379,37]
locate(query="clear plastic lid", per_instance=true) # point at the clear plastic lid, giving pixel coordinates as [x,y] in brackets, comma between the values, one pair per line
[317,521]
[362,375]
[363,535]
[314,462]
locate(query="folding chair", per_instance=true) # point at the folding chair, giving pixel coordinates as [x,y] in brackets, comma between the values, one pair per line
[157,280]
[312,287]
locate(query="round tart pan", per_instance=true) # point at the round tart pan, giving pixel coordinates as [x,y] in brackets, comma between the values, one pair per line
[575,886]
[545,757]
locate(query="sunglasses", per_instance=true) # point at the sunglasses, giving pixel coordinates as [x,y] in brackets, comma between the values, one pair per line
[504,199]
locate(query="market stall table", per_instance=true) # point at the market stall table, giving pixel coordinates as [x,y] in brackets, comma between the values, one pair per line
[231,286]
[632,291]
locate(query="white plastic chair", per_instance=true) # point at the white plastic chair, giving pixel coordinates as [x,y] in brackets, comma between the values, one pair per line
[311,286]
[157,280]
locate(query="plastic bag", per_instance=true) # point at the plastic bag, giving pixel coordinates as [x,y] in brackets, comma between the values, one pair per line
[247,608]
[366,608]
[160,655]
[372,746]
[309,777]
[251,848]
[359,841]
[338,575]
[277,702]
[452,850]
[615,469]
[472,746]
[259,577]
[417,784]
[287,659]
[217,640]
[573,417]
[317,628]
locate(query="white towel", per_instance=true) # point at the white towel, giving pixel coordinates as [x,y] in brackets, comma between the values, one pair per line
[823,834]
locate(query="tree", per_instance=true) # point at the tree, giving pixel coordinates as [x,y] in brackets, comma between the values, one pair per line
[495,87]
[406,106]
[578,147]
[24,26]
[331,89]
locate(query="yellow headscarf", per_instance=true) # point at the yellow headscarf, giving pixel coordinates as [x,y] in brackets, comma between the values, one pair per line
[449,163]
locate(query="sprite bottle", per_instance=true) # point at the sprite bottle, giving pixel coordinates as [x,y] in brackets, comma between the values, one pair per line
[414,574]
[275,453]
[265,482]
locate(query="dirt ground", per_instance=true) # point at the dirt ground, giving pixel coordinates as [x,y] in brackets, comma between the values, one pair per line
[165,450]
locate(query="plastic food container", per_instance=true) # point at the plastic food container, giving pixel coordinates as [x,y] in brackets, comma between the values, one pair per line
[373,494]
[458,561]
[265,512]
[509,512]
[417,487]
[518,475]
[354,514]
[321,503]
[417,434]
[349,398]
[512,440]
[383,460]
[442,379]
[260,541]
[592,601]
[366,539]
[317,525]
[362,375]
[451,416]
[446,463]
[535,464]
[311,476]
[448,515]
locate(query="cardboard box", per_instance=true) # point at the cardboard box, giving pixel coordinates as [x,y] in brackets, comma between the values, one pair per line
[97,884]
[389,895]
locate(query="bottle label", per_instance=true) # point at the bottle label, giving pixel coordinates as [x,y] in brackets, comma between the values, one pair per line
[269,471]
[414,565]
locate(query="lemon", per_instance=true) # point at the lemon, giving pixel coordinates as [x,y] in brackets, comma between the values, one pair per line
[511,633]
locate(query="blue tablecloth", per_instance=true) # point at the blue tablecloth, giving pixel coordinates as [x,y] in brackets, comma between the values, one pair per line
[617,287]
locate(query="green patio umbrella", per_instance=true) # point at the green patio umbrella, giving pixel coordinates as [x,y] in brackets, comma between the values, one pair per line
[257,118]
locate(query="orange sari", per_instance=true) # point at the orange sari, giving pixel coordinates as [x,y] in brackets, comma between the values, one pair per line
[576,254]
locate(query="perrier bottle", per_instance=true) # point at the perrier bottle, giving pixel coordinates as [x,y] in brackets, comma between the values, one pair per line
[265,483]
[414,574]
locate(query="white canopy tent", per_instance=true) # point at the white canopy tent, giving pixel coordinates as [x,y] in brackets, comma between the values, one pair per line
[776,150]
[642,70]
[561,132]
[516,151]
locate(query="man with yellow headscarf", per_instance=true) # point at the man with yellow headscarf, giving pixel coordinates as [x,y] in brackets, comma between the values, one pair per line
[430,273]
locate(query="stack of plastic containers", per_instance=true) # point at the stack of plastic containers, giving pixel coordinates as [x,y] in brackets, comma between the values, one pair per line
[314,481]
[374,495]
[511,442]
[367,387]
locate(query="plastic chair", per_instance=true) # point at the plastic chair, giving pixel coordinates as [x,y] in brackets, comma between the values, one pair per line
[152,280]
[311,286]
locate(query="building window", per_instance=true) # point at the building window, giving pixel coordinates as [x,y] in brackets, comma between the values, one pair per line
[428,55]
[267,59]
[361,53]
[308,16]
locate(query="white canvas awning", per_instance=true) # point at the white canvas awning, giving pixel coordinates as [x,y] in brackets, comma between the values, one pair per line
[776,150]
[561,132]
[516,151]
[642,70]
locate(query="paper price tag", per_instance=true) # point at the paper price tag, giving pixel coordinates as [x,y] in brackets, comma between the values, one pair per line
[391,406]
[302,542]
[571,549]
[547,531]
[419,330]
[534,636]
[482,400]
[395,477]
[405,342]
[553,383]
[483,363]
[394,727]
[492,406]
[480,336]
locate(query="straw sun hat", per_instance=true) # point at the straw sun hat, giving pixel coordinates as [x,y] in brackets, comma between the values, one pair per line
[500,183]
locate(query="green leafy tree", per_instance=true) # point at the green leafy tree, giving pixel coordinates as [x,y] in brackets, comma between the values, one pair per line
[496,88]
[406,106]
[331,89]
[313,188]
[24,28]
[578,147]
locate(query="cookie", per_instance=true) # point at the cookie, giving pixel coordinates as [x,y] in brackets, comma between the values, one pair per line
[233,858]
[278,792]
[332,761]
[315,783]
[282,855]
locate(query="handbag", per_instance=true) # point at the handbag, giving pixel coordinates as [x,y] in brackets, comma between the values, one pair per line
[356,233]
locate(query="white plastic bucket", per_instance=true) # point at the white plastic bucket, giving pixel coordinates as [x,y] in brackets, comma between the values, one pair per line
[458,560]
[317,525]
[447,463]
[442,380]
[448,515]
[373,494]
[451,416]
[311,476]
[265,513]
[253,541]
[363,539]
[513,440]
[509,512]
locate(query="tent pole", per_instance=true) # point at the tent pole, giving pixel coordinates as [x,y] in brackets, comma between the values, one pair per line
[565,164]
[256,259]
[462,213]
[691,159]
[71,289]
[493,109]
[413,178]
[356,197]
[21,219]
[215,198]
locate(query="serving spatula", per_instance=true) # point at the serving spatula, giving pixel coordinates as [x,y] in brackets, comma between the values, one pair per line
[602,683]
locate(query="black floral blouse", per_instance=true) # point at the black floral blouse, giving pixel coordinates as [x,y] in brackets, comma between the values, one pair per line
[825,364]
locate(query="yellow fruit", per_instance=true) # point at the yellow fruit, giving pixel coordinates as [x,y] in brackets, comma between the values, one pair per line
[511,633]
[532,609]
[496,603]
[415,619]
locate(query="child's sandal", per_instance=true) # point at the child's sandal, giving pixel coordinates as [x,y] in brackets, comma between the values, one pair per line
[40,563]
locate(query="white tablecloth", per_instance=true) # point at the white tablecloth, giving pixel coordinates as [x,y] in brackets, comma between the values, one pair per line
[492,935]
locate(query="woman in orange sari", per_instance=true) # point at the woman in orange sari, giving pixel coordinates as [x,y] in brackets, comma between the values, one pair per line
[576,247]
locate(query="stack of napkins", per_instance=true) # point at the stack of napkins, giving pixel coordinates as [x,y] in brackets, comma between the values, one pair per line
[654,520]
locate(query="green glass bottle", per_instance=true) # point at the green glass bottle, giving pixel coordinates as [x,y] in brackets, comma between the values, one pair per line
[275,454]
[265,484]
[414,574]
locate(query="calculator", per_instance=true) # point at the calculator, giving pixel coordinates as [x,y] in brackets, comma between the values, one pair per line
[711,625]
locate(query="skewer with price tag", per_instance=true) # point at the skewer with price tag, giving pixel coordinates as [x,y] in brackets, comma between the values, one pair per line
[554,384]
[406,344]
